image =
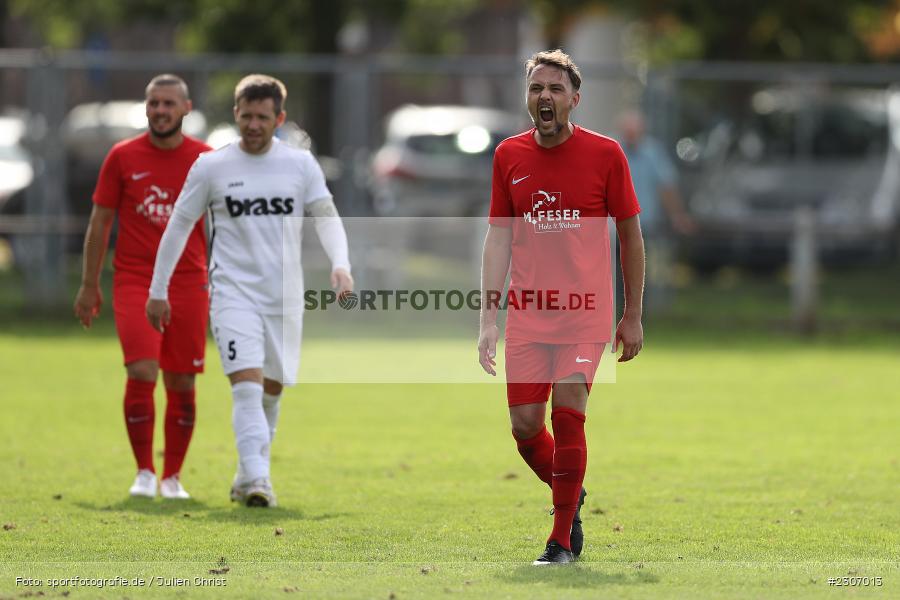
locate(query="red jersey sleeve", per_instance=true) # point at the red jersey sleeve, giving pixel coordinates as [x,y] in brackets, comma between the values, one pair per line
[109,184]
[621,201]
[501,204]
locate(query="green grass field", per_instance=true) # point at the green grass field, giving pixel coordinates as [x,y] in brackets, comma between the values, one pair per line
[716,470]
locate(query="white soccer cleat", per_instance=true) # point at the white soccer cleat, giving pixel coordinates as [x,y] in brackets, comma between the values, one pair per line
[259,493]
[144,485]
[239,485]
[171,488]
[238,491]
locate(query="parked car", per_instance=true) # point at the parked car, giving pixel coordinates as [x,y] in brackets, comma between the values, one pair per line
[16,172]
[436,160]
[836,152]
[90,130]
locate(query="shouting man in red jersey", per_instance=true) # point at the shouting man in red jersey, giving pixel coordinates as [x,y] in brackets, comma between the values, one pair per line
[554,187]
[140,180]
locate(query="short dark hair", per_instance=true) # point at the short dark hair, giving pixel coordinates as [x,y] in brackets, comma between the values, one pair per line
[260,87]
[168,79]
[556,58]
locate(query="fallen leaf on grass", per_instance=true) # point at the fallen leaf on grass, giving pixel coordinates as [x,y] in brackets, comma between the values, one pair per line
[279,531]
[618,527]
[8,526]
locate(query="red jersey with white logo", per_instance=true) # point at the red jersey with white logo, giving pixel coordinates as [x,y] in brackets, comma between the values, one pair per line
[558,202]
[142,182]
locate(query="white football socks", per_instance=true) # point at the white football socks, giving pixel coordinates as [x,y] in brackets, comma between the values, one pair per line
[272,406]
[251,431]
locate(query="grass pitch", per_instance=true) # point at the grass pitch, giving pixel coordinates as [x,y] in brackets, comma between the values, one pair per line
[714,471]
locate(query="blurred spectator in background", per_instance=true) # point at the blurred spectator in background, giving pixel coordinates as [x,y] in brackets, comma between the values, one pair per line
[662,210]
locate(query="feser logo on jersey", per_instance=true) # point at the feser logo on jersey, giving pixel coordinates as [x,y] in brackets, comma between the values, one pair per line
[157,204]
[547,213]
[259,206]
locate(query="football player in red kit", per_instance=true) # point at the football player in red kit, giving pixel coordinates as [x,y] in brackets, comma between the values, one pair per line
[139,181]
[554,188]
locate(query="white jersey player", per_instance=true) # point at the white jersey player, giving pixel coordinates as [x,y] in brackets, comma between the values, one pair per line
[256,191]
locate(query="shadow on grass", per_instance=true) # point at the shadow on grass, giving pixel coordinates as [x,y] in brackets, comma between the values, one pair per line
[574,576]
[240,514]
[147,506]
[196,509]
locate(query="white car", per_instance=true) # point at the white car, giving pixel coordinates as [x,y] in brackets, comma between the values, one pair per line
[16,172]
[436,160]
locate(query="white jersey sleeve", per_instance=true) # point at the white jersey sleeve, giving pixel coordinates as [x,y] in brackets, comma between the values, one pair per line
[330,230]
[316,189]
[318,203]
[189,207]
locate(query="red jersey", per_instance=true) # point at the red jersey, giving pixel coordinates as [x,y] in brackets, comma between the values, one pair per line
[557,201]
[142,183]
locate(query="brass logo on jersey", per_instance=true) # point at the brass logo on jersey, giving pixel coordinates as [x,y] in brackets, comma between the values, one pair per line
[259,206]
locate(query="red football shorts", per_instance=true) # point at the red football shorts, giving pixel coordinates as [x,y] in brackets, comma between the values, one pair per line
[181,348]
[532,368]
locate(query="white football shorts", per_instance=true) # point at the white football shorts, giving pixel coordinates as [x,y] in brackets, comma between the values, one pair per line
[249,340]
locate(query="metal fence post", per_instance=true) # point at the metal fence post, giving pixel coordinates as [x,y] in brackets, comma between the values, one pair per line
[804,270]
[44,253]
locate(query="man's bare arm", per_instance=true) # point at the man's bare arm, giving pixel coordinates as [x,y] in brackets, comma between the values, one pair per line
[674,206]
[629,331]
[494,268]
[89,298]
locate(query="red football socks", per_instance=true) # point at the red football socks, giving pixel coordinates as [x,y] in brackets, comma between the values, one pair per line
[139,415]
[538,454]
[569,463]
[179,427]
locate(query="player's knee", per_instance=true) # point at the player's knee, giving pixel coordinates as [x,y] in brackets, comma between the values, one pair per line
[179,382]
[272,387]
[525,427]
[571,392]
[251,375]
[143,370]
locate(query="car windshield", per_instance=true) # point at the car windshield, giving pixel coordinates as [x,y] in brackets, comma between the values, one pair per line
[472,143]
[12,153]
[837,129]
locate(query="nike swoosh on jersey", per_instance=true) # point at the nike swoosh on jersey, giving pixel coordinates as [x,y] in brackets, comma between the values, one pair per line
[578,359]
[136,176]
[515,181]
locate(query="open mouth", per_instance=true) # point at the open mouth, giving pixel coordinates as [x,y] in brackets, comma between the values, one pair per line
[545,113]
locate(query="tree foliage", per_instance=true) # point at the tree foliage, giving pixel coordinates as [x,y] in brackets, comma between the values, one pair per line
[807,30]
[758,30]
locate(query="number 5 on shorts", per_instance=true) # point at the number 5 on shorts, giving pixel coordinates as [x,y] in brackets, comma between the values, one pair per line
[232,352]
